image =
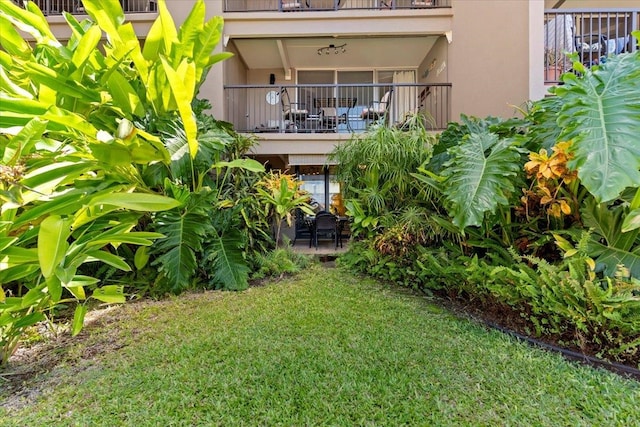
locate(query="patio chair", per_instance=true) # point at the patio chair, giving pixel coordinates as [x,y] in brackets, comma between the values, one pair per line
[325,225]
[343,230]
[287,5]
[303,228]
[421,3]
[378,110]
[290,112]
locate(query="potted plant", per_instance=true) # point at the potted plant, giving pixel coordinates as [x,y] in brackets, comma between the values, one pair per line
[553,64]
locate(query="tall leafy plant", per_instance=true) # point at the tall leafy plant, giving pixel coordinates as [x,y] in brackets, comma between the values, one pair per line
[376,170]
[281,195]
[600,114]
[72,180]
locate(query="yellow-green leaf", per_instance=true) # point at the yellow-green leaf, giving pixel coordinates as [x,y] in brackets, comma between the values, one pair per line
[183,99]
[136,201]
[52,243]
[110,294]
[141,257]
[78,319]
[54,287]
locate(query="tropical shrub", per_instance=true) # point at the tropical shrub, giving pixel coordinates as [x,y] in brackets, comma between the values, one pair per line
[279,262]
[602,315]
[517,196]
[281,194]
[376,172]
[70,185]
[93,137]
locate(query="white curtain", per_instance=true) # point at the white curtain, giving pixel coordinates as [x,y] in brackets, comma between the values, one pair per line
[404,98]
[558,37]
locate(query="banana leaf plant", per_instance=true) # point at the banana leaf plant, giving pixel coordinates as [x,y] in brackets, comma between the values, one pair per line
[71,177]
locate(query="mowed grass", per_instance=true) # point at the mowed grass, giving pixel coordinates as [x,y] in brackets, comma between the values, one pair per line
[324,348]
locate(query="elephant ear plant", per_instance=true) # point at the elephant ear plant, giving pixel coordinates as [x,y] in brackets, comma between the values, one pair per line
[71,175]
[600,115]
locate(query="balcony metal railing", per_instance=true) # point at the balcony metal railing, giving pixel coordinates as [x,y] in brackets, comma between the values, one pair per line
[593,34]
[56,7]
[328,5]
[334,108]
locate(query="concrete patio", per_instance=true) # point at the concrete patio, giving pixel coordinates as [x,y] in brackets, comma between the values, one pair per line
[325,247]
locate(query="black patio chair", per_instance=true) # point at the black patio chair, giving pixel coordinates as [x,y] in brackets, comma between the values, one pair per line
[326,226]
[303,228]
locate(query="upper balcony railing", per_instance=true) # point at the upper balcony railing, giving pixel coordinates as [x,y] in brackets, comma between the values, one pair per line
[56,7]
[334,108]
[593,34]
[328,5]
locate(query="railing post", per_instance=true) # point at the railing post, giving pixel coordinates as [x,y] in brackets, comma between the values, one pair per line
[635,26]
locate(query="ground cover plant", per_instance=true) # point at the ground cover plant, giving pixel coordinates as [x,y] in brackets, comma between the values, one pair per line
[323,348]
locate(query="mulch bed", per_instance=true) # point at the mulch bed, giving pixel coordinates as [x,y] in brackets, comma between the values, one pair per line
[508,320]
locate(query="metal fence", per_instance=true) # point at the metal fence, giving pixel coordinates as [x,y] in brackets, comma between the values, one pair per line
[594,35]
[334,108]
[56,7]
[328,5]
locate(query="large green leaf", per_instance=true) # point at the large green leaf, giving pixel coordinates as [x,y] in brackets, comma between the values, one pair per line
[52,243]
[86,47]
[30,20]
[601,115]
[19,111]
[110,294]
[183,96]
[24,141]
[184,234]
[247,164]
[207,42]
[609,245]
[191,29]
[480,177]
[108,15]
[124,95]
[228,267]
[11,39]
[78,319]
[108,258]
[136,201]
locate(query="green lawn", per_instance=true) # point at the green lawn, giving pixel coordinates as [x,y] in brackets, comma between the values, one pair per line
[325,348]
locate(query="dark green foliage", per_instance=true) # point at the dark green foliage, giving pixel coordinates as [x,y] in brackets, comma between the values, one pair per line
[543,115]
[601,315]
[376,168]
[600,114]
[185,228]
[609,245]
[226,267]
[479,177]
[279,262]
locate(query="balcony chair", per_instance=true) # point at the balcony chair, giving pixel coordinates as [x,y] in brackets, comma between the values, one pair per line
[287,5]
[334,111]
[326,224]
[378,110]
[291,114]
[422,3]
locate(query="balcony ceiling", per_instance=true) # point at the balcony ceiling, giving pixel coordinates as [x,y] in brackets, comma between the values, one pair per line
[301,53]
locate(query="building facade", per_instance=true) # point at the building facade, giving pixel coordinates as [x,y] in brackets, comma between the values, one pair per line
[309,74]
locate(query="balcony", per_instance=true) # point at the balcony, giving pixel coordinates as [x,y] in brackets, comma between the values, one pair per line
[334,108]
[594,35]
[56,7]
[329,5]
